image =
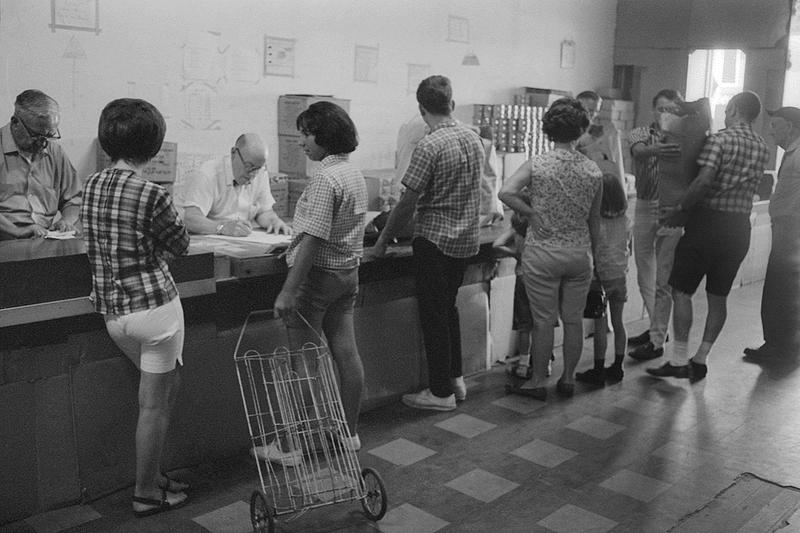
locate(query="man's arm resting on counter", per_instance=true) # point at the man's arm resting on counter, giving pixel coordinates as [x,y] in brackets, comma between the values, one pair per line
[196,222]
[270,221]
[69,218]
[9,228]
[398,218]
[286,302]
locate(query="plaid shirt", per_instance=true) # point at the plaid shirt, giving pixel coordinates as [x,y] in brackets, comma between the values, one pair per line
[333,207]
[646,169]
[739,156]
[445,170]
[131,229]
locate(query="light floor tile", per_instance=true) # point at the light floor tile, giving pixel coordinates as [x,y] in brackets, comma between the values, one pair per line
[636,486]
[595,427]
[638,405]
[686,455]
[61,519]
[482,485]
[232,518]
[543,453]
[573,519]
[409,519]
[465,425]
[402,452]
[518,404]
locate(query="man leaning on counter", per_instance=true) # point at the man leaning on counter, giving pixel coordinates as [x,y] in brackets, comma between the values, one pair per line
[230,194]
[39,189]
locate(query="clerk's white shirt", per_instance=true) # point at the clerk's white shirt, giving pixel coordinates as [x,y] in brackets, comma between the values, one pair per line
[212,190]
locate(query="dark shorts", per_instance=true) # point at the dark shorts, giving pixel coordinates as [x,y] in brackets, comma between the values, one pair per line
[324,291]
[713,246]
[616,289]
[522,320]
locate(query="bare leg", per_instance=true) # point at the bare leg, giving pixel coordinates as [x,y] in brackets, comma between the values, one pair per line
[620,335]
[338,328]
[600,338]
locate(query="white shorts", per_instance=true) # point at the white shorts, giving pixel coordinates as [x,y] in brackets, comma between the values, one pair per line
[153,338]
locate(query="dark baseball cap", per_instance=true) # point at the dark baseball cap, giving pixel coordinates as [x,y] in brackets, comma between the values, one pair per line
[788,113]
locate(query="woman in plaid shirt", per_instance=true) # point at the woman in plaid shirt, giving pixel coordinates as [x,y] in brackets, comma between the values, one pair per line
[132,231]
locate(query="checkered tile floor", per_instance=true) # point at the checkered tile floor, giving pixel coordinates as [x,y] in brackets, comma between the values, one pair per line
[634,456]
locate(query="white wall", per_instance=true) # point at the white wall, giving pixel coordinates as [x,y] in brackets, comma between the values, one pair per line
[143,47]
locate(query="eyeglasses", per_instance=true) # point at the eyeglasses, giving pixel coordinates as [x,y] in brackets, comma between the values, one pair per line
[39,138]
[249,168]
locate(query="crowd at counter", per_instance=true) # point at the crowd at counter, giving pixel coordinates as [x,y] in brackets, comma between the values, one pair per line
[570,234]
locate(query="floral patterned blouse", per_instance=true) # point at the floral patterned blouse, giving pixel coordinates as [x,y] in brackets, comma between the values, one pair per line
[562,187]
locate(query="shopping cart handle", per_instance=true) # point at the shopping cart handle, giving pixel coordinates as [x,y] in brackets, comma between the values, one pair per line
[271,315]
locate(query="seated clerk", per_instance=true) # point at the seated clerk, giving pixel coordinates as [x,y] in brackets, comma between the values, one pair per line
[230,195]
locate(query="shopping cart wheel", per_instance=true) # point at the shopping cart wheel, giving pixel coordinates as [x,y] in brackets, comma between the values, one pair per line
[374,502]
[261,515]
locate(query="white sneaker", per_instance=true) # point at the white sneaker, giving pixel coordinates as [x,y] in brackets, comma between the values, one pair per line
[459,388]
[352,443]
[272,452]
[427,400]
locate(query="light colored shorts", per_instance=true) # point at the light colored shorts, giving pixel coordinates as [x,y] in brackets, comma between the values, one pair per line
[153,338]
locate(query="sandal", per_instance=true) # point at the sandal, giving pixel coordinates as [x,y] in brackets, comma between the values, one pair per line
[172,485]
[158,506]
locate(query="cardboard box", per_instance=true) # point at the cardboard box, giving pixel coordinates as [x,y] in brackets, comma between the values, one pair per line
[292,159]
[161,169]
[291,105]
[383,188]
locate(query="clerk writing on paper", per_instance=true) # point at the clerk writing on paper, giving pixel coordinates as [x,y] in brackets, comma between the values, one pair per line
[230,195]
[39,189]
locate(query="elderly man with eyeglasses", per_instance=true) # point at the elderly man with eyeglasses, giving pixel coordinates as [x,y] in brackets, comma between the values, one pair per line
[39,189]
[231,194]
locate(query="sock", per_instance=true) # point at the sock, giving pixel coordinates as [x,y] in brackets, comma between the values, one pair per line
[618,358]
[599,364]
[680,353]
[702,353]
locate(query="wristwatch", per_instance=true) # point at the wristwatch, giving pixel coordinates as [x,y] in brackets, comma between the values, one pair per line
[219,228]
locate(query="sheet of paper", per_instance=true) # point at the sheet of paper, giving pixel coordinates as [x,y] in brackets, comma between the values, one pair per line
[258,237]
[61,235]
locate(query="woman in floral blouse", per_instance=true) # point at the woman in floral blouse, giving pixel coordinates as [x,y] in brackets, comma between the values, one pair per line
[564,188]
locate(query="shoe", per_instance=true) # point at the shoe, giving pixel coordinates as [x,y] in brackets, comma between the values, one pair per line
[427,400]
[593,376]
[537,393]
[614,373]
[639,339]
[697,371]
[158,506]
[549,366]
[646,351]
[352,443]
[667,370]
[565,390]
[272,452]
[765,351]
[172,485]
[459,388]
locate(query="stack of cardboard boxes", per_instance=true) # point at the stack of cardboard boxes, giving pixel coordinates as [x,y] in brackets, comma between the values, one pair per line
[621,114]
[292,161]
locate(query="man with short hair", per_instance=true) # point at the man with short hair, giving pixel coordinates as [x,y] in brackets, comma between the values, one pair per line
[780,299]
[715,211]
[443,186]
[601,142]
[228,195]
[653,244]
[39,189]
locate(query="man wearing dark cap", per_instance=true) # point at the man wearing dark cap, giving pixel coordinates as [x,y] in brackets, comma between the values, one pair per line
[780,300]
[715,213]
[39,189]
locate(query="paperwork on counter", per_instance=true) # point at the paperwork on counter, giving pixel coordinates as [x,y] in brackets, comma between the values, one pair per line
[270,240]
[60,235]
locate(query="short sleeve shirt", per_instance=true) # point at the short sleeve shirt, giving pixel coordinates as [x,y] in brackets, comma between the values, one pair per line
[785,201]
[646,170]
[445,170]
[132,230]
[562,187]
[738,156]
[212,190]
[333,207]
[33,191]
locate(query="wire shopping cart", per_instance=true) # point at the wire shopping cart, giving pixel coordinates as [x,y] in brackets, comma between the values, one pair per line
[291,398]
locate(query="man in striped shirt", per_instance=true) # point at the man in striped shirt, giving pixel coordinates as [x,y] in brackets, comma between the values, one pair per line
[443,186]
[715,211]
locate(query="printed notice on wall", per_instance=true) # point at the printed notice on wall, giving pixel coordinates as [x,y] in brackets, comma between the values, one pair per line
[366,64]
[567,54]
[80,15]
[416,73]
[278,56]
[457,29]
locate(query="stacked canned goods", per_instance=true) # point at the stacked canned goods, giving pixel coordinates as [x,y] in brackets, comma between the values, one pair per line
[517,127]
